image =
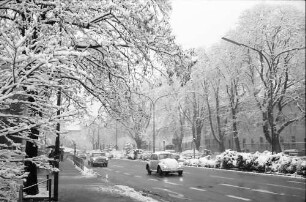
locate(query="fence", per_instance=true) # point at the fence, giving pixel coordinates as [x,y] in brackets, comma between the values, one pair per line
[78,162]
[48,182]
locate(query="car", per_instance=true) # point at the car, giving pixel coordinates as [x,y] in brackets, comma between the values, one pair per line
[163,163]
[291,152]
[82,156]
[98,159]
[145,155]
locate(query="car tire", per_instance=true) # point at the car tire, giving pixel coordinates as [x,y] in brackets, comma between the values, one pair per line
[160,172]
[180,173]
[105,165]
[148,169]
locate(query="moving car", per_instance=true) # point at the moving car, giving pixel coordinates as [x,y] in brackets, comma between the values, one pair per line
[98,159]
[163,163]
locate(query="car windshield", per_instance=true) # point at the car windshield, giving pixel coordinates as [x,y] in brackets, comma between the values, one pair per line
[98,154]
[164,156]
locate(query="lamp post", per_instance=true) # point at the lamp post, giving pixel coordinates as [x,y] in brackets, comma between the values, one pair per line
[153,103]
[117,134]
[194,145]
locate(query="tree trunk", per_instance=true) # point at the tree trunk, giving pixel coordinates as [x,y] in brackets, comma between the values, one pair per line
[276,144]
[138,141]
[221,145]
[31,151]
[179,144]
[235,131]
[199,126]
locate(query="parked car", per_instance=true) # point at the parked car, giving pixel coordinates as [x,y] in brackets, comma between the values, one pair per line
[82,156]
[163,163]
[145,155]
[291,152]
[98,159]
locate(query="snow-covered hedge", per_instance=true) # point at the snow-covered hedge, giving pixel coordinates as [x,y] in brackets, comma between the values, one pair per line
[260,162]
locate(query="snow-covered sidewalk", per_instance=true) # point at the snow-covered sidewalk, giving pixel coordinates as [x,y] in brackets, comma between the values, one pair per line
[79,186]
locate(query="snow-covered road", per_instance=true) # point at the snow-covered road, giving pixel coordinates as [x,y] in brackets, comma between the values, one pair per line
[198,184]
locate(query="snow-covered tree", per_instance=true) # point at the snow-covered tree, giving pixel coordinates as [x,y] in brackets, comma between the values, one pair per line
[64,50]
[273,38]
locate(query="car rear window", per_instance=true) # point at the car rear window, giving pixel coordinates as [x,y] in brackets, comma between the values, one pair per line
[164,156]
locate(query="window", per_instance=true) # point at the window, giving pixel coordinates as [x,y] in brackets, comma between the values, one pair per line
[164,156]
[154,157]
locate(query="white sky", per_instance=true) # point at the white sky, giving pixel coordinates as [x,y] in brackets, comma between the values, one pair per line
[200,23]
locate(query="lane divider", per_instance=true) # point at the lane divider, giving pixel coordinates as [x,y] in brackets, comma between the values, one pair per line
[240,198]
[276,185]
[222,177]
[172,183]
[257,190]
[194,188]
[297,182]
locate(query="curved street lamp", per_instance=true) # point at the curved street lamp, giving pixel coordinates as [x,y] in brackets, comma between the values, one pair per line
[153,102]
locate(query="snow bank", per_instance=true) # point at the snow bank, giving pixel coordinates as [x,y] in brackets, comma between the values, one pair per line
[128,192]
[259,162]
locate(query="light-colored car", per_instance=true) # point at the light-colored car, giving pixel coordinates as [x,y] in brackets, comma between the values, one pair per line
[163,163]
[98,159]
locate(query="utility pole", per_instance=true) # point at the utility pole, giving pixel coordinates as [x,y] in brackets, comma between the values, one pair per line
[57,146]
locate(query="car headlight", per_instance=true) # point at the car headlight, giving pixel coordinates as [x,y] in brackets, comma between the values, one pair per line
[163,166]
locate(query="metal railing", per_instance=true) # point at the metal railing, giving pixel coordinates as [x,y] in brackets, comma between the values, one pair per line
[78,162]
[48,182]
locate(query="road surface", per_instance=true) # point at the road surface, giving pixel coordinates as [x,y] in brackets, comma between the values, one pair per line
[203,184]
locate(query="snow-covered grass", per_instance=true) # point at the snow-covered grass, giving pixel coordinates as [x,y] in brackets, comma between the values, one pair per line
[264,162]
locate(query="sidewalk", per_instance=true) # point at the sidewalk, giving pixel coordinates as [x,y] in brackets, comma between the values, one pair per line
[75,187]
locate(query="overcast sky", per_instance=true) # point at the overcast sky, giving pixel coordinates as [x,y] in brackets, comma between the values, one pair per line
[200,23]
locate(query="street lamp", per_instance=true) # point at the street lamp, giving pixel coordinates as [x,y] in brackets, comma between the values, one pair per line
[194,145]
[117,134]
[153,102]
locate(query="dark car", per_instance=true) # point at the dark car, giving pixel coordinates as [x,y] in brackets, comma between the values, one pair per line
[98,159]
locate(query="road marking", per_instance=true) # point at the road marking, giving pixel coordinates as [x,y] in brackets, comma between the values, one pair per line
[117,166]
[127,173]
[230,185]
[186,172]
[266,191]
[276,185]
[222,177]
[137,176]
[237,197]
[194,188]
[258,190]
[171,183]
[117,171]
[153,179]
[108,169]
[297,182]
